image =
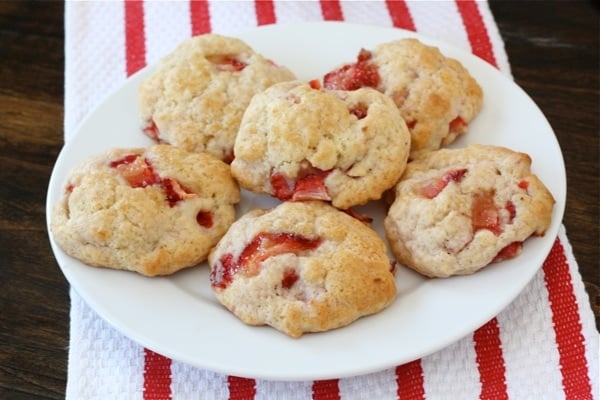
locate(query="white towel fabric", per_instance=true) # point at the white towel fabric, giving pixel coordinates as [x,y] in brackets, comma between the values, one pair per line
[544,345]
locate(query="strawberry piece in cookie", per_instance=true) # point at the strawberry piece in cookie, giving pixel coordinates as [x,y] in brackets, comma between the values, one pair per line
[263,246]
[484,213]
[309,184]
[431,187]
[363,73]
[139,173]
[136,170]
[225,62]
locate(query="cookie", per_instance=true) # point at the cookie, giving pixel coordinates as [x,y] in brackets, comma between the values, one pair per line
[196,96]
[458,210]
[151,210]
[301,267]
[435,94]
[299,142]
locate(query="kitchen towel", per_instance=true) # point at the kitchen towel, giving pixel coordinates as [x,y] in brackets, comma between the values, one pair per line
[544,345]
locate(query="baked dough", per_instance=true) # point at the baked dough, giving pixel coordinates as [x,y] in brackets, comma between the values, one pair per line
[196,96]
[435,94]
[301,267]
[297,142]
[458,210]
[153,211]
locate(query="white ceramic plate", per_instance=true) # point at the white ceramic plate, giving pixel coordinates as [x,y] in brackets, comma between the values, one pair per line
[179,317]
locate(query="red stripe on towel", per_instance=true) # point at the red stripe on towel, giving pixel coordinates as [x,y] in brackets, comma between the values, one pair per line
[200,17]
[567,325]
[490,362]
[241,388]
[157,368]
[481,45]
[331,10]
[157,376]
[326,390]
[400,14]
[135,39]
[409,379]
[265,12]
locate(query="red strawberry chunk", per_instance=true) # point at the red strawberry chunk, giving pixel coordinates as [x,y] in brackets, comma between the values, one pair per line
[309,185]
[151,130]
[175,191]
[282,187]
[484,213]
[289,278]
[359,111]
[139,173]
[458,125]
[222,275]
[363,73]
[359,216]
[128,159]
[315,84]
[430,188]
[227,63]
[524,185]
[512,211]
[204,218]
[510,251]
[228,156]
[260,248]
[136,171]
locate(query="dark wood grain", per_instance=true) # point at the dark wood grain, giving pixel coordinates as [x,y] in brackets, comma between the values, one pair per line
[554,53]
[34,299]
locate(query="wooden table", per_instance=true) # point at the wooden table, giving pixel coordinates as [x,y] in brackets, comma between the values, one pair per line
[553,50]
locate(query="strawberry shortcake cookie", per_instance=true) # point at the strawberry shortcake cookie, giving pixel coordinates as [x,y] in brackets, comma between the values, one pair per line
[154,210]
[458,210]
[196,96]
[435,94]
[301,267]
[300,142]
